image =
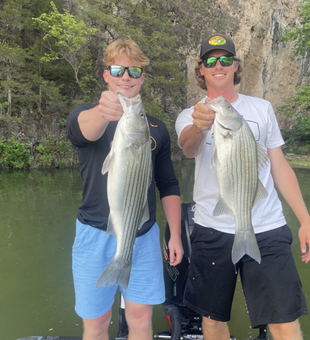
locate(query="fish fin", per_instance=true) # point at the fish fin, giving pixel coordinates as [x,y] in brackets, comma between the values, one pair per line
[221,208]
[214,157]
[145,216]
[245,244]
[260,193]
[110,227]
[108,163]
[262,156]
[117,272]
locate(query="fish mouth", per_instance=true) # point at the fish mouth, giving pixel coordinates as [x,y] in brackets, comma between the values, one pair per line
[224,127]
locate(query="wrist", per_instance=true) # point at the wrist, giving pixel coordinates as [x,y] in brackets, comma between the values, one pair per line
[200,130]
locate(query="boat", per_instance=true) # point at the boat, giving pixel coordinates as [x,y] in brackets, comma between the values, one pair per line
[184,324]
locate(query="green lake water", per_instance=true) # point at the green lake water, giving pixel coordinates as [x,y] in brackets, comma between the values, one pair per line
[37,226]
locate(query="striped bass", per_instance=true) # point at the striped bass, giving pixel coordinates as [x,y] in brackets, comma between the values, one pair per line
[129,168]
[237,158]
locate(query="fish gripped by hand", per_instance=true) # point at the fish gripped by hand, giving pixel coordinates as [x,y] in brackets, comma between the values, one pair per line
[237,158]
[129,168]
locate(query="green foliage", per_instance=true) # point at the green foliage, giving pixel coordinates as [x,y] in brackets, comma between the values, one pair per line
[300,34]
[51,57]
[66,38]
[23,85]
[52,151]
[149,24]
[14,154]
[298,136]
[298,106]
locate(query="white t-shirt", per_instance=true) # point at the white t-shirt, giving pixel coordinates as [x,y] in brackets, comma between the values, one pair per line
[267,214]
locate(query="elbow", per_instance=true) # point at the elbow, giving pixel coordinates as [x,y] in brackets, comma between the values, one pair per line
[188,154]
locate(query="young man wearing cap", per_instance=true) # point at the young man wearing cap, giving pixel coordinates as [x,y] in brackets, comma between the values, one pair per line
[91,128]
[272,289]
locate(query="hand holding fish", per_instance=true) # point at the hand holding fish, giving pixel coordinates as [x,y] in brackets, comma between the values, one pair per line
[304,237]
[203,116]
[110,107]
[93,122]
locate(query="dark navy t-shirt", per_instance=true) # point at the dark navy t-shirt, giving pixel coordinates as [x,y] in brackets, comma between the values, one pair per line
[94,210]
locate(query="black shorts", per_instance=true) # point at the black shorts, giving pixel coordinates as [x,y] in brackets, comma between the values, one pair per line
[272,289]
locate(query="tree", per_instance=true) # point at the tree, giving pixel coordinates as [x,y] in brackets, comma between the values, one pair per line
[300,34]
[298,106]
[147,22]
[65,37]
[12,55]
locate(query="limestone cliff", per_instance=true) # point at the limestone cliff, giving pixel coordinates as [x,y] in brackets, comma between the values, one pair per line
[269,72]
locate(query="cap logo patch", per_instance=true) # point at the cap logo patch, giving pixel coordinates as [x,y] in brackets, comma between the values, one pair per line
[217,40]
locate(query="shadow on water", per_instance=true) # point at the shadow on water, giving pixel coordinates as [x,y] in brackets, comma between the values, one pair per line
[38,210]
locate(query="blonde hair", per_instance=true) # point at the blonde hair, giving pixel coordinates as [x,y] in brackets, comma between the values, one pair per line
[127,48]
[201,79]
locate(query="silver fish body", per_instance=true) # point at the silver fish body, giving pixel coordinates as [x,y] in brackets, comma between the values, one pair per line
[129,167]
[237,158]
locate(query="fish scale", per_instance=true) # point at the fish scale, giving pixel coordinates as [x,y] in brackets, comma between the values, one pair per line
[237,158]
[129,168]
[246,175]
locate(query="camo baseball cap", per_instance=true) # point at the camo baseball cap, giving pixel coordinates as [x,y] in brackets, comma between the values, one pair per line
[217,42]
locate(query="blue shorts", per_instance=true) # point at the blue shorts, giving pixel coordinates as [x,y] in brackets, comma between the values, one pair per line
[92,252]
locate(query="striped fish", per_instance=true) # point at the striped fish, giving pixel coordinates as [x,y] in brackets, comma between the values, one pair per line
[237,158]
[129,167]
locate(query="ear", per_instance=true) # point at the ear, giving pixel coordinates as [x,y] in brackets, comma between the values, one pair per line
[236,67]
[142,78]
[106,74]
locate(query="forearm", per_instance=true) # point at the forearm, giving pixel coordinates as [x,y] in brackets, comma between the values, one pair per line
[92,124]
[286,181]
[172,210]
[192,141]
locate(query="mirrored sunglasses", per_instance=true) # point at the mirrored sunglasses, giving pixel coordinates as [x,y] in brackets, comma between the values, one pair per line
[224,61]
[118,71]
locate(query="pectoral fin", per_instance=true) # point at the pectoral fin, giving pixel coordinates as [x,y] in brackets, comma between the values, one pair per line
[110,227]
[260,193]
[145,216]
[261,156]
[108,163]
[221,208]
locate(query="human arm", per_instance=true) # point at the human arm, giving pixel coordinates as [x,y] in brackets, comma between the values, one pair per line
[172,210]
[168,187]
[286,181]
[192,137]
[93,122]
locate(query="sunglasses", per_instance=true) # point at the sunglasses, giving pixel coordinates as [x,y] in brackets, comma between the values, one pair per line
[118,71]
[224,61]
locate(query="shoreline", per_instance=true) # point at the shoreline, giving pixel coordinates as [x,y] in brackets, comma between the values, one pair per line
[298,161]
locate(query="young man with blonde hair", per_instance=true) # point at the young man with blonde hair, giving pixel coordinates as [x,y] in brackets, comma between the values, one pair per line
[91,128]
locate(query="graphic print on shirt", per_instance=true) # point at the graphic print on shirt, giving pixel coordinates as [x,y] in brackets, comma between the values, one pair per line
[253,125]
[154,143]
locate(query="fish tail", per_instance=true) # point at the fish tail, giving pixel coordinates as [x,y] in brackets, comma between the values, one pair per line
[245,244]
[117,272]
